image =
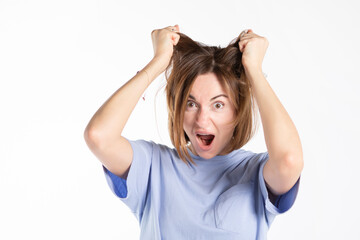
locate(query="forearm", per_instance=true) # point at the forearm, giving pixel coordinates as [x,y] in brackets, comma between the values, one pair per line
[281,137]
[108,122]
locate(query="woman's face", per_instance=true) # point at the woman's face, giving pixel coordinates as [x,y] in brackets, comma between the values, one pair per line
[209,115]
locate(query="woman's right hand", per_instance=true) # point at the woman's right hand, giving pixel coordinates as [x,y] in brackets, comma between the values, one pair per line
[164,41]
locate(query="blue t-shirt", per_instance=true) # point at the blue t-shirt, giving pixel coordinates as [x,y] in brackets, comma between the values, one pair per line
[220,198]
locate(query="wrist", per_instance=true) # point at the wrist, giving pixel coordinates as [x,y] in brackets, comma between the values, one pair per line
[161,62]
[253,71]
[155,67]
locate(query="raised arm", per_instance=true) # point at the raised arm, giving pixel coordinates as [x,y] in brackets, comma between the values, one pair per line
[103,133]
[285,163]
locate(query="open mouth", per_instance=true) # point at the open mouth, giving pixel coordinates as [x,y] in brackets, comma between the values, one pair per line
[206,139]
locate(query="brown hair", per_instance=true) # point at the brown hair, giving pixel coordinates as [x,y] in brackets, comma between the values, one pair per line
[191,59]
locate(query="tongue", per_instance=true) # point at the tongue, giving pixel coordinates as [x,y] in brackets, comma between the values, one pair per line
[206,139]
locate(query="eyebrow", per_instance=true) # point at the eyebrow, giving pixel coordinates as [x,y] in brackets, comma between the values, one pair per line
[213,98]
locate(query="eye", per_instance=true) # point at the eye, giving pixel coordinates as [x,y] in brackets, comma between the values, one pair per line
[218,105]
[190,105]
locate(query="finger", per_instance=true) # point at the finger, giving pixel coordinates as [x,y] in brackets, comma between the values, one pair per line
[246,37]
[244,32]
[174,28]
[251,33]
[244,40]
[242,44]
[154,31]
[177,28]
[175,39]
[174,34]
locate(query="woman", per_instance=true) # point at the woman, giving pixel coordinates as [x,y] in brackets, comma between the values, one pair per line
[207,187]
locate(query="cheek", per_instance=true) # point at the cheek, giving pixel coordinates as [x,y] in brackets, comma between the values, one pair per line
[227,130]
[225,120]
[225,124]
[230,117]
[188,121]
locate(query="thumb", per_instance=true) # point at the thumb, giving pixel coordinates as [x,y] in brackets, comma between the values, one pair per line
[242,45]
[175,38]
[177,27]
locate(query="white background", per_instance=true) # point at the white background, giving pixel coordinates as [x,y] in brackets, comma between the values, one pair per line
[60,61]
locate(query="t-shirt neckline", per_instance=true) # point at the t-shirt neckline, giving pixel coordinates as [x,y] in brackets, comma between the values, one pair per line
[217,158]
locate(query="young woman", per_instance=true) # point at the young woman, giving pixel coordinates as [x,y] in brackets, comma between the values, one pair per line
[207,187]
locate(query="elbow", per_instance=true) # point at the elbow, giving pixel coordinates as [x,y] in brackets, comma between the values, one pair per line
[283,172]
[294,163]
[91,137]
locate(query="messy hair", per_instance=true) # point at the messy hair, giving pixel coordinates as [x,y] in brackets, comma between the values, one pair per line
[191,59]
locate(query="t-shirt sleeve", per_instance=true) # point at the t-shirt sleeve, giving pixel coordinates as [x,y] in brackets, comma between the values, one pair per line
[283,202]
[133,190]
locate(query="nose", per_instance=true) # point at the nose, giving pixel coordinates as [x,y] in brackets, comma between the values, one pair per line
[202,117]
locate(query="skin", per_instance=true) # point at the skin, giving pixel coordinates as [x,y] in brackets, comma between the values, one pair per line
[285,162]
[103,134]
[104,137]
[208,112]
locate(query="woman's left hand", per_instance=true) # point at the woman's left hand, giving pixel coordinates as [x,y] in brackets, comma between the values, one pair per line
[253,48]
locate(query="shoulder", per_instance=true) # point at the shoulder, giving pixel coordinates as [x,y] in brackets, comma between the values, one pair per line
[147,144]
[246,164]
[247,157]
[147,147]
